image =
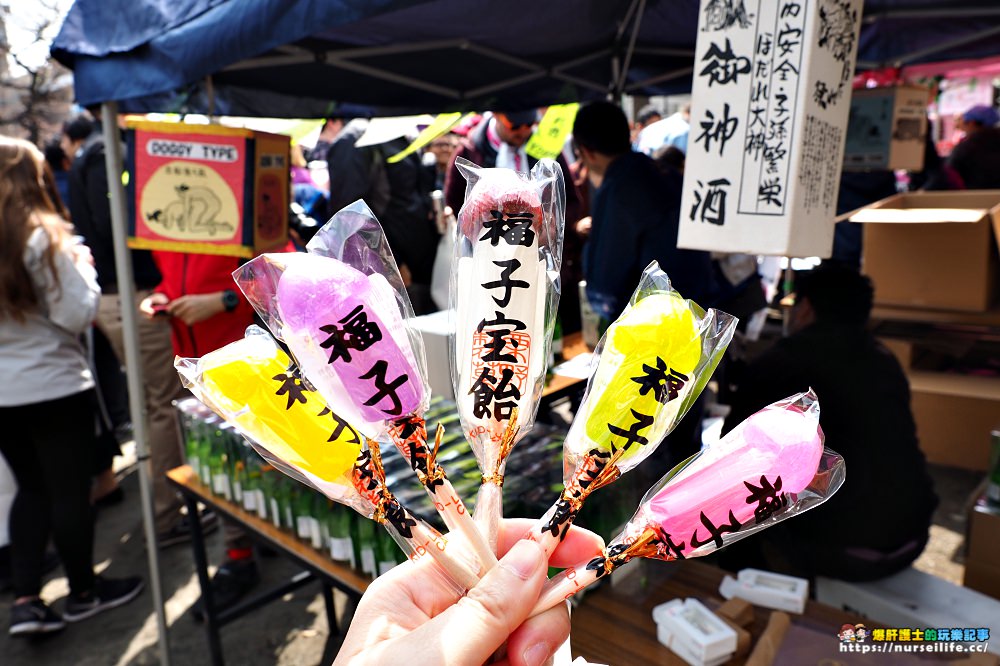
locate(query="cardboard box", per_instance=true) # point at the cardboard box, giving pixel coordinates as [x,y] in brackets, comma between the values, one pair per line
[886,129]
[982,543]
[983,577]
[935,250]
[206,189]
[955,415]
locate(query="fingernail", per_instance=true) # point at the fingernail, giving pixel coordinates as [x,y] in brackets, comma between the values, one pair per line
[537,654]
[523,559]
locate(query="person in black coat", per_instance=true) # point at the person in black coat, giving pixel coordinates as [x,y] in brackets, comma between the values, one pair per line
[878,522]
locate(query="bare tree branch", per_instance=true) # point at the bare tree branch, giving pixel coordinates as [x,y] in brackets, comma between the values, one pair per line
[31,99]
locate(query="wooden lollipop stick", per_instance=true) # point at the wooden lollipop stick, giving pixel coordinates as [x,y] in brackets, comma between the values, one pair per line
[446,500]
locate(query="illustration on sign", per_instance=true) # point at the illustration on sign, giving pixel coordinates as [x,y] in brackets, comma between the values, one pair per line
[189,201]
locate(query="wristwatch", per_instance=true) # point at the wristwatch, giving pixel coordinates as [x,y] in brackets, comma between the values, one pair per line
[230,300]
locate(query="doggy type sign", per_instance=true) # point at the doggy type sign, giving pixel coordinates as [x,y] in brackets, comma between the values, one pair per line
[206,189]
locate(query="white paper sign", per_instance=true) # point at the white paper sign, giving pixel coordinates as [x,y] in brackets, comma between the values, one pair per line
[770,100]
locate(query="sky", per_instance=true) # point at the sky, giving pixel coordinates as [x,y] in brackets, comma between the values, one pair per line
[21,17]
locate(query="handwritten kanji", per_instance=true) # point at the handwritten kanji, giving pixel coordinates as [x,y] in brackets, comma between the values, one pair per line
[514,229]
[505,282]
[356,333]
[385,389]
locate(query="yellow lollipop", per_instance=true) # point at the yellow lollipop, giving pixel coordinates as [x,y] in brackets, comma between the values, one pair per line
[253,382]
[644,376]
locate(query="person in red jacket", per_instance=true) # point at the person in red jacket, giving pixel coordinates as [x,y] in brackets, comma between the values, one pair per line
[199,296]
[206,312]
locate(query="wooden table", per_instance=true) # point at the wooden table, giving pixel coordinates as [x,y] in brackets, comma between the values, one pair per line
[317,566]
[614,624]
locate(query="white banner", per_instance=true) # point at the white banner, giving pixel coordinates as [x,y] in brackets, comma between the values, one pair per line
[770,100]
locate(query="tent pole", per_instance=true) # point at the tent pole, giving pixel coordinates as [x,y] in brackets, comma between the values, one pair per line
[623,73]
[210,92]
[130,334]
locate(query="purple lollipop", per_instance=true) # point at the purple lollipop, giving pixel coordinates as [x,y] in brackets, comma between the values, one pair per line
[347,333]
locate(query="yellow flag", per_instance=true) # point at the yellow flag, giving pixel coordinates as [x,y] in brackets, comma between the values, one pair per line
[251,382]
[441,124]
[550,137]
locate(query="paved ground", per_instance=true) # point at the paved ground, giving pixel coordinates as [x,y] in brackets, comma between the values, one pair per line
[293,630]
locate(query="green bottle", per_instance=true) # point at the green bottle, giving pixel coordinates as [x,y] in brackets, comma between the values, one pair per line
[251,477]
[262,498]
[386,552]
[189,425]
[365,545]
[218,463]
[317,518]
[287,495]
[271,484]
[339,527]
[205,449]
[192,446]
[237,467]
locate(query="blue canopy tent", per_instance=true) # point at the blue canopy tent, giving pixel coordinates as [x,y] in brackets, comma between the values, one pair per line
[312,58]
[307,58]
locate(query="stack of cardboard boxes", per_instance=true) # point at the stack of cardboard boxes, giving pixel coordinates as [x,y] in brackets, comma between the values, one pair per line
[933,257]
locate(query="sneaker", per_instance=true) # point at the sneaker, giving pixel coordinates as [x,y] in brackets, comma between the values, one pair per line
[34,617]
[181,531]
[107,593]
[231,582]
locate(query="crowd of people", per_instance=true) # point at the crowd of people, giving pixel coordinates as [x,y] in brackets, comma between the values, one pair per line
[61,335]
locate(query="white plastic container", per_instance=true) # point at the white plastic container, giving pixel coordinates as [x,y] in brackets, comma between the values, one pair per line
[767,589]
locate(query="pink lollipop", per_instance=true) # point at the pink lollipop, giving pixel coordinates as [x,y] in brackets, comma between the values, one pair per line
[743,478]
[343,328]
[771,467]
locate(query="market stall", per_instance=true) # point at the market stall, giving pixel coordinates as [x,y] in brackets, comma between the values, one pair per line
[390,57]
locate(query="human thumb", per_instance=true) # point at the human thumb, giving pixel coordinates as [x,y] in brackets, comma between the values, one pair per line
[473,628]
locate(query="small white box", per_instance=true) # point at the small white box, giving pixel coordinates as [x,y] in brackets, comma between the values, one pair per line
[694,633]
[768,589]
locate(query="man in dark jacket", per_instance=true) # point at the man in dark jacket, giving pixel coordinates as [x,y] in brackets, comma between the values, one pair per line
[878,522]
[635,211]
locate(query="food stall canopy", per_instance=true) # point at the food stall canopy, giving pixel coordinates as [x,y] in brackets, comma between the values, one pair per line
[312,58]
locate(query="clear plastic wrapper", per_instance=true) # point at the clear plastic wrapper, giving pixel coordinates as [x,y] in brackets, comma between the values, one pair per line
[343,311]
[345,330]
[651,366]
[770,468]
[255,386]
[505,291]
